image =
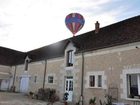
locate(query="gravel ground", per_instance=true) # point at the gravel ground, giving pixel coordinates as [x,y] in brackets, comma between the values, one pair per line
[20,99]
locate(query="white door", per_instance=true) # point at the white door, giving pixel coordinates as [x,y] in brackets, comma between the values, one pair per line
[69,88]
[24,83]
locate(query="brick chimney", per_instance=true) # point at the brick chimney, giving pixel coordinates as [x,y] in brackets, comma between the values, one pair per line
[97,27]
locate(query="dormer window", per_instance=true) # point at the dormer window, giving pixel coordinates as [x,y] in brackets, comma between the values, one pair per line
[69,55]
[27,60]
[69,58]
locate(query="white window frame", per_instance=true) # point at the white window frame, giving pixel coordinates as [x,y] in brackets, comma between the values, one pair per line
[96,74]
[128,84]
[54,78]
[96,82]
[124,83]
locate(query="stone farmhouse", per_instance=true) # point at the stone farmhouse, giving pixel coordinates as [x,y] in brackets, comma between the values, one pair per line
[103,61]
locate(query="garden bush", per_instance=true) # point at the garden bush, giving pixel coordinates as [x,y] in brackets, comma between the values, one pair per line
[47,94]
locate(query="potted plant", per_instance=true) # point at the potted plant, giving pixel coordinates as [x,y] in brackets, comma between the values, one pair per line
[92,101]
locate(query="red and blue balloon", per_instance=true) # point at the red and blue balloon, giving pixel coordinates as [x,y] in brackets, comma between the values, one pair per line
[74,22]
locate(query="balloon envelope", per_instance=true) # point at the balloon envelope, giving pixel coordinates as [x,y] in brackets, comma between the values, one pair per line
[74,22]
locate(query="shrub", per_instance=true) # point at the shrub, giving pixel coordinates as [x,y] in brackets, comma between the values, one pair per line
[92,101]
[47,94]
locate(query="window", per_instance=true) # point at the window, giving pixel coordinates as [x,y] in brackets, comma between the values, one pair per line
[35,79]
[99,80]
[133,85]
[92,81]
[130,83]
[26,65]
[69,58]
[50,79]
[95,81]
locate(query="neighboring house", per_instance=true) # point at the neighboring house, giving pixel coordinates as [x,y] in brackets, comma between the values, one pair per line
[103,61]
[8,58]
[4,77]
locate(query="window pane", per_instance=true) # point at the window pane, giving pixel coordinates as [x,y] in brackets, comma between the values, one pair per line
[132,84]
[70,85]
[99,81]
[70,58]
[92,81]
[66,85]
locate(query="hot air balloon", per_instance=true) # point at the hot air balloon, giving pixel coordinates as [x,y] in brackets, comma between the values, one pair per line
[74,22]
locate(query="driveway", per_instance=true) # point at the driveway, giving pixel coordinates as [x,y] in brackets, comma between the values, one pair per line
[20,99]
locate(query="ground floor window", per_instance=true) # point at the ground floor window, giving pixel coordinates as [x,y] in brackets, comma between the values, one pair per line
[95,79]
[50,79]
[35,79]
[133,85]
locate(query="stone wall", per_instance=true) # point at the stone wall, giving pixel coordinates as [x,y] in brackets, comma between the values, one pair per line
[110,61]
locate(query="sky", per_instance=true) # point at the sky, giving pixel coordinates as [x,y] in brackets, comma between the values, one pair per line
[30,24]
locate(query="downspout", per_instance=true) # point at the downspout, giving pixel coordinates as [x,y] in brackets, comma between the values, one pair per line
[13,85]
[45,68]
[82,79]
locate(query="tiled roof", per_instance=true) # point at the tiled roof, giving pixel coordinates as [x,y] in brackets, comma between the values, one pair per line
[124,32]
[11,57]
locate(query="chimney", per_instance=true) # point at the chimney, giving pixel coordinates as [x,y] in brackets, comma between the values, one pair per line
[97,27]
